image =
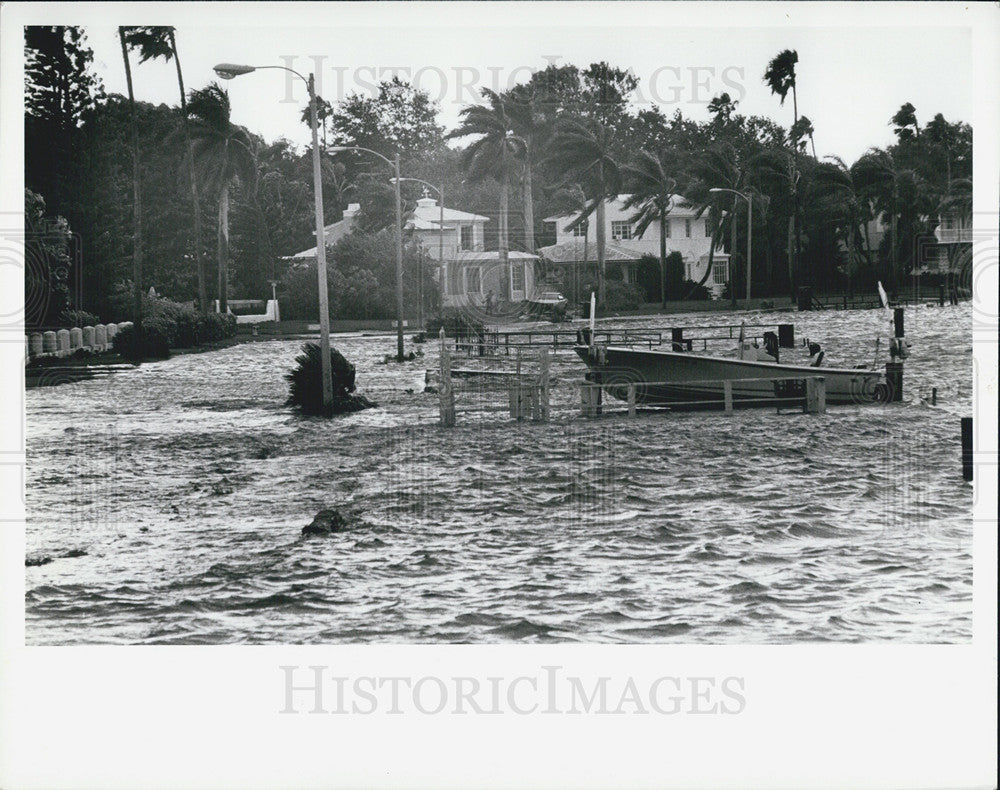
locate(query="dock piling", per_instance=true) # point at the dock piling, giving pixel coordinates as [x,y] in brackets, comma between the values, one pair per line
[967,448]
[446,394]
[631,400]
[727,394]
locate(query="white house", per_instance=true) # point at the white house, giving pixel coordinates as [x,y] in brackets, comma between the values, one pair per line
[452,240]
[686,234]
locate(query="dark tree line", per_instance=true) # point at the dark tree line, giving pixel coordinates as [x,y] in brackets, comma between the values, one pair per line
[141,186]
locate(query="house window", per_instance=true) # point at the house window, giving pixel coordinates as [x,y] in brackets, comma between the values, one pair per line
[621,230]
[687,271]
[666,228]
[465,241]
[517,277]
[581,229]
[708,230]
[720,273]
[687,228]
[473,282]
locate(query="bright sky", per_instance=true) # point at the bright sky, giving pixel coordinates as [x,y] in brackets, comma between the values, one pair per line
[851,79]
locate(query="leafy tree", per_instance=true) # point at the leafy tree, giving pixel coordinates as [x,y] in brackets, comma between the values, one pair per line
[60,89]
[48,244]
[400,119]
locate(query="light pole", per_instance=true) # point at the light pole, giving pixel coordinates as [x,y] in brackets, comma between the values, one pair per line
[749,199]
[441,279]
[394,162]
[228,71]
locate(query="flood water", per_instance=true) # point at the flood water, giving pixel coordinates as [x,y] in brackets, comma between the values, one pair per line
[183,487]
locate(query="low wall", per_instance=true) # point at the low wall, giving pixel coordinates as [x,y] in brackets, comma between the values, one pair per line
[65,342]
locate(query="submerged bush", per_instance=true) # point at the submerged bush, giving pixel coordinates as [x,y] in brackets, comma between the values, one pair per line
[305,389]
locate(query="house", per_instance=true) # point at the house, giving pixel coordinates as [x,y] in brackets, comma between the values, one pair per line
[949,254]
[452,241]
[686,233]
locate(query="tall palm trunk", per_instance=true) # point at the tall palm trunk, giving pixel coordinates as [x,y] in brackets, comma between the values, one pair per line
[504,241]
[732,254]
[224,250]
[850,255]
[601,273]
[529,204]
[195,204]
[716,234]
[795,192]
[663,259]
[136,192]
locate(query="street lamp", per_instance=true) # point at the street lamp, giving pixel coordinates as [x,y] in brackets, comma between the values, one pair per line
[441,279]
[228,71]
[394,162]
[749,199]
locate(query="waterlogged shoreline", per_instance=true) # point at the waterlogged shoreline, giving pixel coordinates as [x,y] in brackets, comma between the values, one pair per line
[189,491]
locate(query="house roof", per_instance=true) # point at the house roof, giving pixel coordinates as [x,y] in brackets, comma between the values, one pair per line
[469,256]
[678,203]
[426,216]
[573,250]
[427,209]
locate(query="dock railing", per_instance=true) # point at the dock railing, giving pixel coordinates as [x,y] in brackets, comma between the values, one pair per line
[506,343]
[812,400]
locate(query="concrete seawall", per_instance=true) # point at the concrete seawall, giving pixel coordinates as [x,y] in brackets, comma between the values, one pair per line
[65,342]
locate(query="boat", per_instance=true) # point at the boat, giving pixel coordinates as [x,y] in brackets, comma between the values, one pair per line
[664,377]
[551,303]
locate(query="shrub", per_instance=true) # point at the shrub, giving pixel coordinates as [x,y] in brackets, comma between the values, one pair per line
[622,296]
[455,325]
[215,326]
[78,318]
[699,293]
[134,346]
[305,389]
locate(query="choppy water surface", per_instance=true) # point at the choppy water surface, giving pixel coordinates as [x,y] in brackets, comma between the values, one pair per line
[187,483]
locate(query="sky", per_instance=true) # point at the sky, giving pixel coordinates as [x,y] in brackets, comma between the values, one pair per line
[851,80]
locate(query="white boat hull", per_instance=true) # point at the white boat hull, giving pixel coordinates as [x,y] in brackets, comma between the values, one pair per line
[668,377]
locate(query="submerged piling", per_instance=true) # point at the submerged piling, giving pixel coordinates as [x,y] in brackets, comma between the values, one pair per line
[967,448]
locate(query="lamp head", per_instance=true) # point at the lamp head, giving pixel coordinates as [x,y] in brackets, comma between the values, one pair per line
[228,71]
[339,149]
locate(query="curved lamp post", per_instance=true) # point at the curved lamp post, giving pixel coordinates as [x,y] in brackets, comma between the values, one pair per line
[749,199]
[228,71]
[394,163]
[441,280]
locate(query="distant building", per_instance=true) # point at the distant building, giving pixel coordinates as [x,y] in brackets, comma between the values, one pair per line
[687,234]
[453,242]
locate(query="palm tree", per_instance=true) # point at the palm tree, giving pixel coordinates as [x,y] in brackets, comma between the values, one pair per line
[585,150]
[905,117]
[780,78]
[136,189]
[159,42]
[653,180]
[896,193]
[528,123]
[835,193]
[223,153]
[719,167]
[495,154]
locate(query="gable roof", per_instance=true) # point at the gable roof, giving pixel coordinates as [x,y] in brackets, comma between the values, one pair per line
[678,204]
